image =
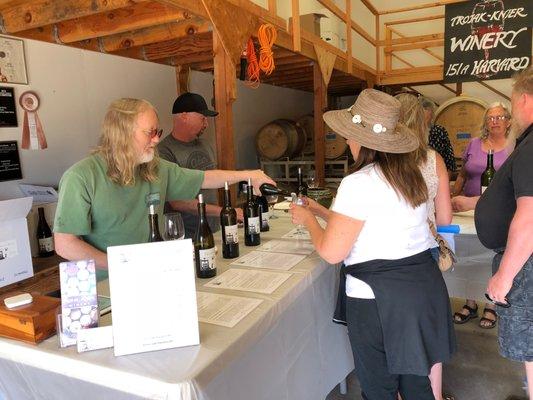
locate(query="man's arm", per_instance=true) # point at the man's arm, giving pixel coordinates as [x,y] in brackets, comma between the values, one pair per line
[72,247]
[215,178]
[519,248]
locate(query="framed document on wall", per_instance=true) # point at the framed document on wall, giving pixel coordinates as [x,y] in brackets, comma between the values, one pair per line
[12,61]
[8,109]
[10,167]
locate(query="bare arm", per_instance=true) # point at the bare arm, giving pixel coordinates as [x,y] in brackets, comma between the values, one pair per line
[443,205]
[334,243]
[215,178]
[72,247]
[519,248]
[318,209]
[463,203]
[459,182]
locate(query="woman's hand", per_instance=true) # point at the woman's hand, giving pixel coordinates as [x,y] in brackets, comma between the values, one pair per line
[301,215]
[463,203]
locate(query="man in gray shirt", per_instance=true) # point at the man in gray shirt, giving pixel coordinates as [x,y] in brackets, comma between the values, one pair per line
[184,147]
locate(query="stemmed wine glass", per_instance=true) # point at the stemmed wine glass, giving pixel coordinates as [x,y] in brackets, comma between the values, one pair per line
[299,201]
[272,199]
[174,228]
[311,179]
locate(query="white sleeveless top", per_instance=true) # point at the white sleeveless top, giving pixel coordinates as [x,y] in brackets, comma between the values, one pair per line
[429,172]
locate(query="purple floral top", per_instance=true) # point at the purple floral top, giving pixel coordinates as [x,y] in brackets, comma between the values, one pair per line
[475,162]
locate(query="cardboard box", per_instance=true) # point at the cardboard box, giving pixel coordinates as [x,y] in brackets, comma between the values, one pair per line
[15,255]
[310,22]
[30,323]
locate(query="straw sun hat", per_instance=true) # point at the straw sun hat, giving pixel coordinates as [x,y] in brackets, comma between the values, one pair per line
[372,121]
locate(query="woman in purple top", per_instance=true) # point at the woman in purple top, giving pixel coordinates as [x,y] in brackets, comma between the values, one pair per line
[494,136]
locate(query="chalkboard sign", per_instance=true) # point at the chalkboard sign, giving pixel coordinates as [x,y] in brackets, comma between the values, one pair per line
[8,110]
[486,39]
[9,161]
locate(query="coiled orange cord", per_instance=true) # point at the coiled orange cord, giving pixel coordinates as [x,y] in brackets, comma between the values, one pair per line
[253,67]
[267,36]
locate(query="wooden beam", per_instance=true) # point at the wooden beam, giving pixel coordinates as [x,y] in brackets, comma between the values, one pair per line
[494,90]
[158,33]
[20,16]
[420,6]
[431,53]
[413,46]
[233,24]
[273,6]
[458,89]
[414,39]
[348,21]
[182,79]
[412,20]
[412,75]
[118,21]
[225,95]
[319,106]
[194,48]
[193,7]
[370,7]
[402,60]
[296,42]
[378,48]
[388,58]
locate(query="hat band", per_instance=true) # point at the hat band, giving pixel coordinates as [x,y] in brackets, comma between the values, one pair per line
[358,120]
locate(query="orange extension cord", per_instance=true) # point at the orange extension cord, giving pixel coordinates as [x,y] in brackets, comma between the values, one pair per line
[266,36]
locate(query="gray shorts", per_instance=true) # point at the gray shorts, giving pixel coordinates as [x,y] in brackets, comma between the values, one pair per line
[515,326]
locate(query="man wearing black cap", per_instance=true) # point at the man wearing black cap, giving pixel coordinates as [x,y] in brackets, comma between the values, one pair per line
[184,147]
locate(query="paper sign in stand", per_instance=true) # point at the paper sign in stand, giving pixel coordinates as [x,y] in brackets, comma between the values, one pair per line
[153,292]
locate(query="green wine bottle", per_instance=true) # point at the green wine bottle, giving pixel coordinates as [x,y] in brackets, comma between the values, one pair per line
[488,174]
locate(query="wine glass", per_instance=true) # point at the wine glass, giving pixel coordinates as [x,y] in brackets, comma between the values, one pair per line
[299,201]
[272,199]
[174,228]
[311,179]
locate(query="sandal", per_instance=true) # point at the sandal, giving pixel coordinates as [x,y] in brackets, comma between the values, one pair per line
[487,323]
[460,318]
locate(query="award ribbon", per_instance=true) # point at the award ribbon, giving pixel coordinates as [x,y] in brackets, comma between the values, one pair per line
[32,130]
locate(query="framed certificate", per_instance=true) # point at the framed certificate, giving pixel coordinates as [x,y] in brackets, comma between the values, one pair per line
[12,61]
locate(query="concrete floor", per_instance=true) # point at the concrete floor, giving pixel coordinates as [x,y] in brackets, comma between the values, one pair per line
[476,372]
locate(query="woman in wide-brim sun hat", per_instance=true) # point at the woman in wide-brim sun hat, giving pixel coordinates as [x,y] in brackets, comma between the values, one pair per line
[392,295]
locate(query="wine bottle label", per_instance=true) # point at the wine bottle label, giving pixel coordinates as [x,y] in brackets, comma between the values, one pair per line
[231,234]
[46,244]
[253,226]
[265,215]
[207,259]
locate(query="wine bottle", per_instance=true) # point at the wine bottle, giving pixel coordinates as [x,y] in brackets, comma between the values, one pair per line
[228,222]
[488,174]
[204,245]
[44,236]
[155,236]
[252,222]
[265,215]
[302,186]
[270,190]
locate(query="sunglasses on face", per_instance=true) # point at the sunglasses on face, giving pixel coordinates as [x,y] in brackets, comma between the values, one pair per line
[154,133]
[496,118]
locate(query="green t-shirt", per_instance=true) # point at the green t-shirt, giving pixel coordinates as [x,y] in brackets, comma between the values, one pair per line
[105,214]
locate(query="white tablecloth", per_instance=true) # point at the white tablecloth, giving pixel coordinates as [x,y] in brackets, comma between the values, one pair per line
[287,348]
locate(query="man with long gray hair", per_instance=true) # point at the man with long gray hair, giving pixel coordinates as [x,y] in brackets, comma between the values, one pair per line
[504,223]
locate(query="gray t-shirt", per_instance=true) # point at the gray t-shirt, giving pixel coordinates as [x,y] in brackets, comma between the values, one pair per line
[194,155]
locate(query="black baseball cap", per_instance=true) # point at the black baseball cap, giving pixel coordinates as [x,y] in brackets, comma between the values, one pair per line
[192,102]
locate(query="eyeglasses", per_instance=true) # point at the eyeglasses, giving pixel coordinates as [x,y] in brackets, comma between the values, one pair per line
[496,118]
[154,132]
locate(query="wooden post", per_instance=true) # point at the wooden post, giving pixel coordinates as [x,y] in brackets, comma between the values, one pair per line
[320,104]
[459,89]
[182,79]
[378,47]
[273,7]
[225,95]
[388,57]
[296,43]
[348,20]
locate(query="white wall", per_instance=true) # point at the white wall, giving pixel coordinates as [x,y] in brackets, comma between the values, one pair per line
[76,87]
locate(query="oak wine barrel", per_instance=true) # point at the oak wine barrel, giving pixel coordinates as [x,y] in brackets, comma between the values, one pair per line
[280,138]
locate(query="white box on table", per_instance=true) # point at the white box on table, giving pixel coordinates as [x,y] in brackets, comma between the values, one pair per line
[15,255]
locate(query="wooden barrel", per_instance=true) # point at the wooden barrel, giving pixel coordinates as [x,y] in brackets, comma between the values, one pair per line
[307,122]
[335,144]
[462,117]
[280,138]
